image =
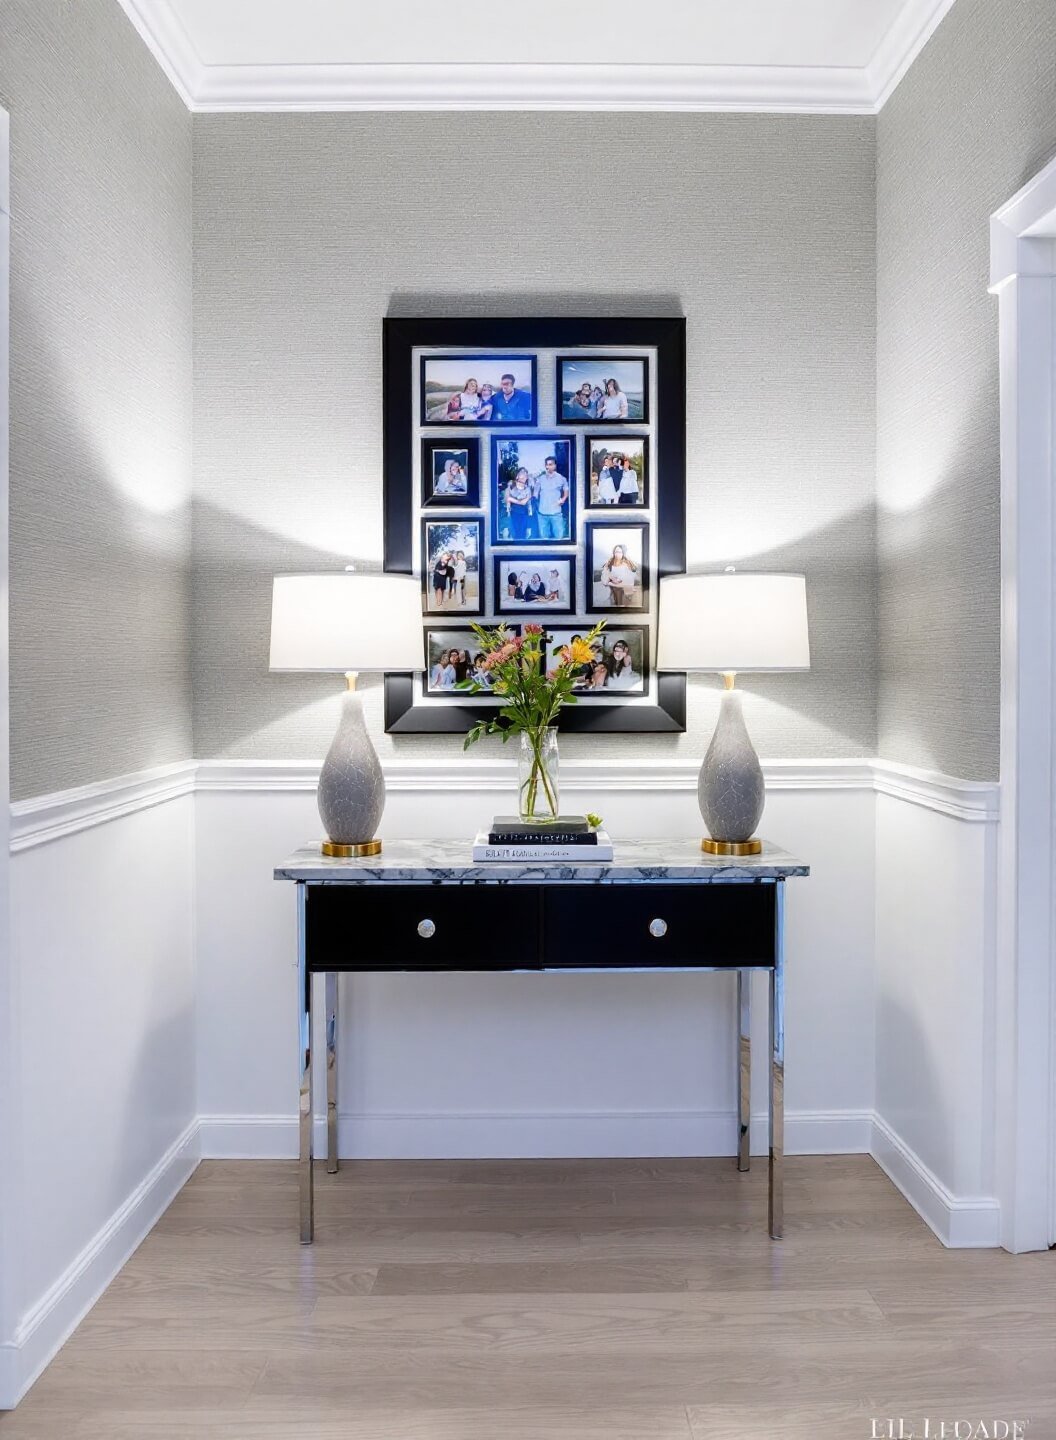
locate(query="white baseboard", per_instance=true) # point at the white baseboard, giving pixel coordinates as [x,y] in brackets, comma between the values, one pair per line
[960,1222]
[558,1134]
[45,1328]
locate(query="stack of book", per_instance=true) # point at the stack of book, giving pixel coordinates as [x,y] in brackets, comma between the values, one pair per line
[569,838]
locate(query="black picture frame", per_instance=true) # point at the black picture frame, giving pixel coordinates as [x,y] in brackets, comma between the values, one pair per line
[432,446]
[590,604]
[600,697]
[665,711]
[563,445]
[598,421]
[467,522]
[446,697]
[612,442]
[495,361]
[533,558]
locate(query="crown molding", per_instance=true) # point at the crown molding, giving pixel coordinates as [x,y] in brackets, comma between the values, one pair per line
[163,34]
[806,90]
[914,26]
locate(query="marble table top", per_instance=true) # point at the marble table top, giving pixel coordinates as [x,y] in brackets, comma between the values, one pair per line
[450,862]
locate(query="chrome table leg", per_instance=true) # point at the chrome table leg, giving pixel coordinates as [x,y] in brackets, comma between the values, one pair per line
[777,1072]
[304,1024]
[331,1072]
[744,1069]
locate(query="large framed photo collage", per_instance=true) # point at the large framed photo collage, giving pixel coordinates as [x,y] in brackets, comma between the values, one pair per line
[535,471]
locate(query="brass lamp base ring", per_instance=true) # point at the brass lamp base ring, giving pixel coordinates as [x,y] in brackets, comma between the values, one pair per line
[350,852]
[731,847]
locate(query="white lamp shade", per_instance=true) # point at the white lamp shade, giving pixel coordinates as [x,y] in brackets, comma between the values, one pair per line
[346,622]
[733,622]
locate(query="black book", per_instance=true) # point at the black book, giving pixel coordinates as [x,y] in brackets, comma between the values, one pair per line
[565,830]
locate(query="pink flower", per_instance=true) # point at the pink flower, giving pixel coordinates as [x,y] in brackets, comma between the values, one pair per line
[533,629]
[551,674]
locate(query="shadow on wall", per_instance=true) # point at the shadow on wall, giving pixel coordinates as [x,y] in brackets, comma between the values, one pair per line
[909,1095]
[500,303]
[236,697]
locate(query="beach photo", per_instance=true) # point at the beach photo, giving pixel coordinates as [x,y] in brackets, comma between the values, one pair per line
[620,665]
[617,557]
[478,389]
[451,474]
[612,389]
[451,561]
[532,489]
[530,582]
[617,470]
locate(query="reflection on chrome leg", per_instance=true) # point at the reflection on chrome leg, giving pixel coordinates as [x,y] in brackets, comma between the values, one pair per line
[744,1069]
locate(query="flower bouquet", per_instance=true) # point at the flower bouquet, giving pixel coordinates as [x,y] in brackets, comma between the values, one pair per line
[514,670]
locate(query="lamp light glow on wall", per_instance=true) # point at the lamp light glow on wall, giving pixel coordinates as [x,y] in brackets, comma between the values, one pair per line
[727,623]
[347,624]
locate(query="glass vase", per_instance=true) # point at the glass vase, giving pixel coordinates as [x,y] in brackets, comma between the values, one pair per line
[537,775]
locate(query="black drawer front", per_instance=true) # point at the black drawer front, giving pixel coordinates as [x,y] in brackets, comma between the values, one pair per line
[603,925]
[376,927]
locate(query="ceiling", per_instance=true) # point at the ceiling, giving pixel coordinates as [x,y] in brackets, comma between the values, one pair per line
[798,55]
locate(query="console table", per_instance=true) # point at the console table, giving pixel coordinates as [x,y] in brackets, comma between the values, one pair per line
[680,909]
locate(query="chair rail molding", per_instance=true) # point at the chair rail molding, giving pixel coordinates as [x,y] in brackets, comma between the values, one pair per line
[1023,276]
[44,818]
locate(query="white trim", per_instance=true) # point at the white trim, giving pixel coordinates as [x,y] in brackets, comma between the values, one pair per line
[787,89]
[973,800]
[163,33]
[960,1222]
[775,89]
[64,812]
[913,27]
[44,1329]
[451,1135]
[1023,274]
[10,1154]
[49,817]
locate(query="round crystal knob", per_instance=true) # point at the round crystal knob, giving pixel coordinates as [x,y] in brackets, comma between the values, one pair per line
[426,929]
[657,928]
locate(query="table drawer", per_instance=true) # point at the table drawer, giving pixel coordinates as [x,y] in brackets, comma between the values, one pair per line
[629,926]
[422,927]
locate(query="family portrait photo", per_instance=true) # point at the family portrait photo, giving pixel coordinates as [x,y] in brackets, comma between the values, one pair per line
[534,582]
[450,474]
[478,390]
[617,557]
[452,656]
[533,486]
[618,471]
[451,552]
[620,664]
[599,388]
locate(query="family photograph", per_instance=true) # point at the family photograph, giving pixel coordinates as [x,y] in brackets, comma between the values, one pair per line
[617,472]
[619,662]
[532,489]
[453,656]
[451,565]
[478,390]
[534,582]
[615,390]
[449,475]
[616,557]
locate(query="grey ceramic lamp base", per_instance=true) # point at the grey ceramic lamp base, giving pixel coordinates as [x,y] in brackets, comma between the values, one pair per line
[351,785]
[730,789]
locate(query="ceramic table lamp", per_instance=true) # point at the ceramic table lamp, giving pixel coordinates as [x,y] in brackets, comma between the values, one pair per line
[727,623]
[348,623]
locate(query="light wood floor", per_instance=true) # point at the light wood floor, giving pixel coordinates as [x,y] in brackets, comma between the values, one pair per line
[557,1300]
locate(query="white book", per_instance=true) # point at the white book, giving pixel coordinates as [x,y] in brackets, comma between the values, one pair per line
[599,854]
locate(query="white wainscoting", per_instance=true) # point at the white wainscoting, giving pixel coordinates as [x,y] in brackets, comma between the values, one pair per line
[500,1065]
[103,979]
[153,969]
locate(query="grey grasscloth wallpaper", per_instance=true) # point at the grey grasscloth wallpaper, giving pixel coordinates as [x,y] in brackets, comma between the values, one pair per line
[973,120]
[309,228]
[100,397]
